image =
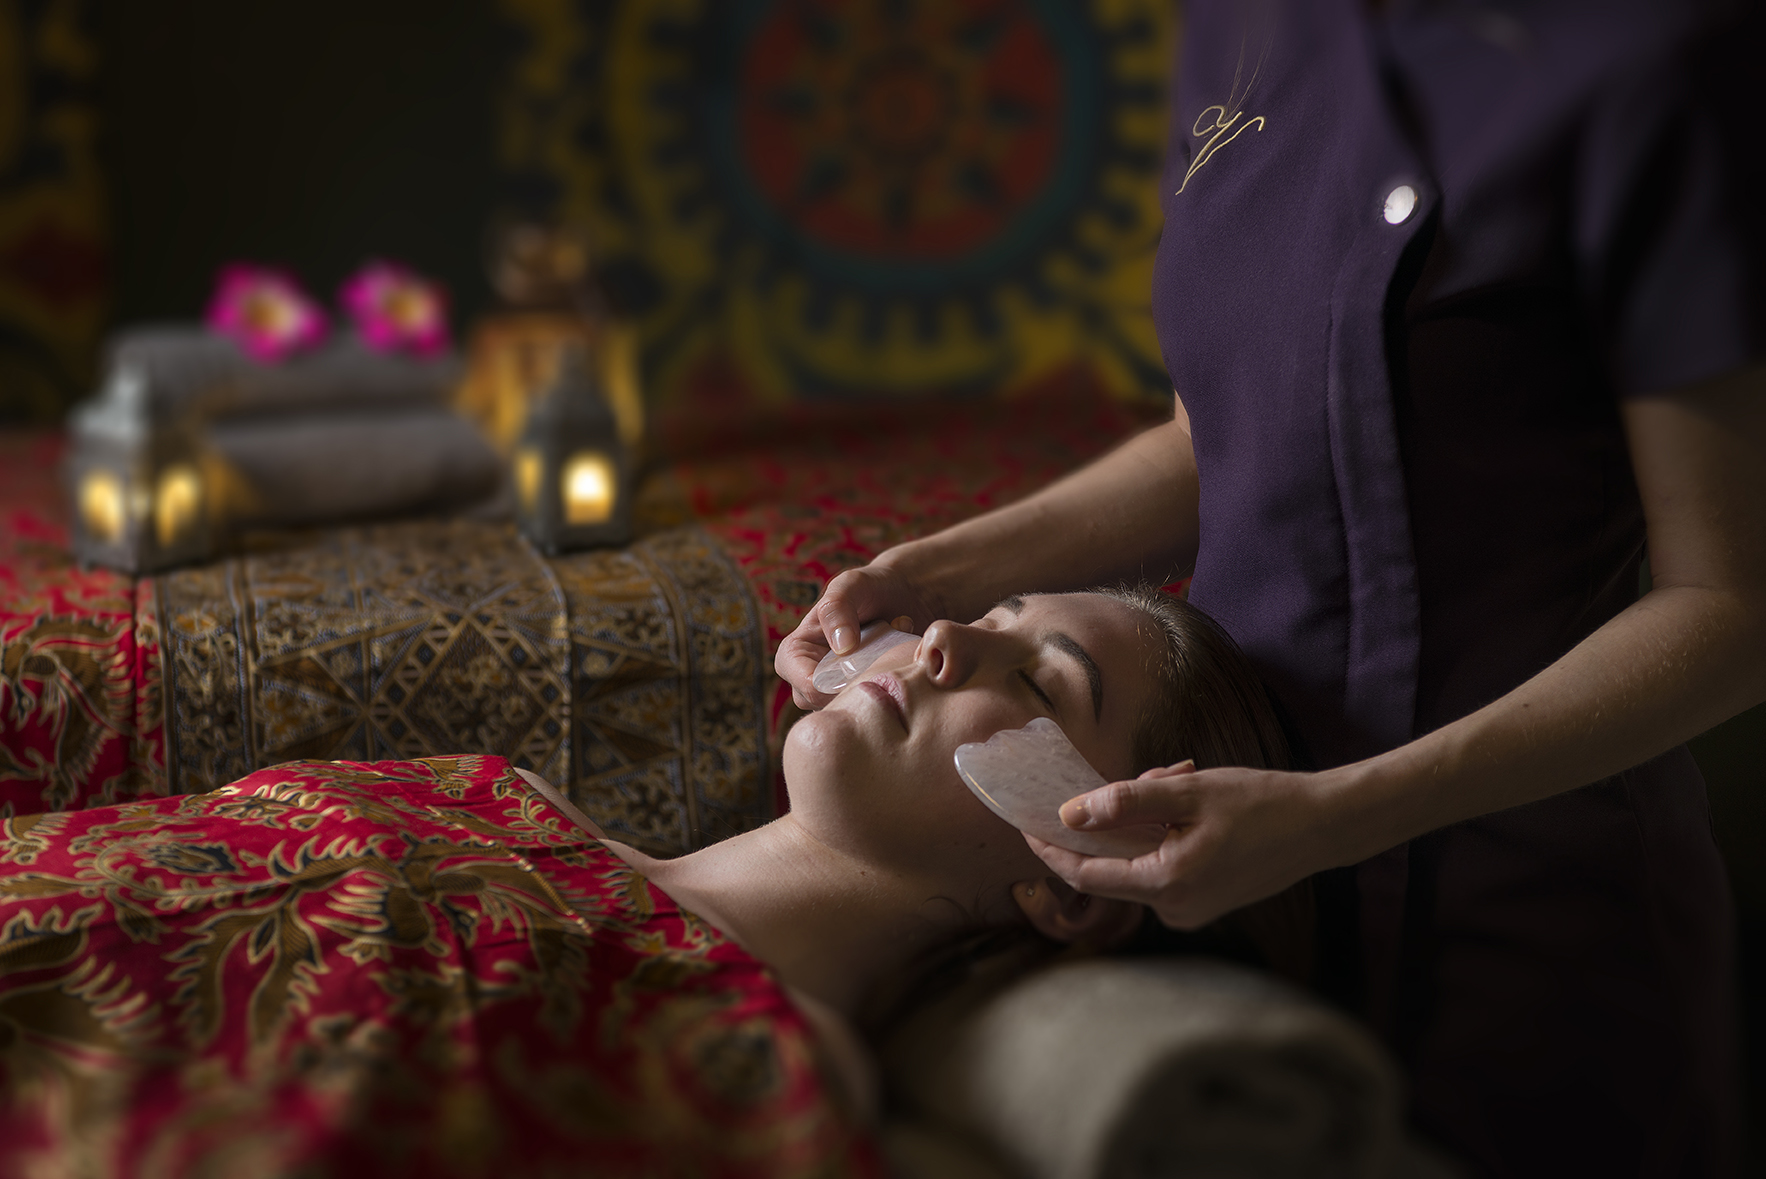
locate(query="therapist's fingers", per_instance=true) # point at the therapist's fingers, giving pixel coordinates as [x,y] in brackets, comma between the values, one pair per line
[1233,836]
[1157,879]
[859,595]
[850,600]
[1157,796]
[854,598]
[1139,879]
[841,605]
[1066,864]
[799,654]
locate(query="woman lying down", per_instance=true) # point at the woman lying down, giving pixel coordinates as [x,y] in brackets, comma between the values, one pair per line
[433,967]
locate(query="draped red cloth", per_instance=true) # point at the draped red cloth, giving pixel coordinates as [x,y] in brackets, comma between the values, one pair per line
[80,690]
[397,968]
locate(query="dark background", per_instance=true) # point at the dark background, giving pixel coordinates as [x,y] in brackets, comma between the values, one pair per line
[310,134]
[316,134]
[1733,758]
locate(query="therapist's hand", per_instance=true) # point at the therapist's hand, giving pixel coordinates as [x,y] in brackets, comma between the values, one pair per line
[852,599]
[1236,836]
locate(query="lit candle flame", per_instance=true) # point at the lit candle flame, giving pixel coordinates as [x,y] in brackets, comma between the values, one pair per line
[177,501]
[588,487]
[101,506]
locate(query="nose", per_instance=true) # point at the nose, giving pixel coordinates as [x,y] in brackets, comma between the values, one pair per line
[952,653]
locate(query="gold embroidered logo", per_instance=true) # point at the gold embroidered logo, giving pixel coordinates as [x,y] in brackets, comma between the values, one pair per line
[1221,124]
[1221,129]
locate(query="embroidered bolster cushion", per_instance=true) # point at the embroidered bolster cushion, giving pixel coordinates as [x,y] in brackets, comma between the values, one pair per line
[638,679]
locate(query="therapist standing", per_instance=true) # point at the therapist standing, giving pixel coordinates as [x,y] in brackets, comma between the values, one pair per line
[1463,303]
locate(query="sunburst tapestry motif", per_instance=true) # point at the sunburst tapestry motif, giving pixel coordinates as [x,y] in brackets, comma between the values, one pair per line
[838,197]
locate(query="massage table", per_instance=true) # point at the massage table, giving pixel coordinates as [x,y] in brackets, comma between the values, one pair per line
[640,680]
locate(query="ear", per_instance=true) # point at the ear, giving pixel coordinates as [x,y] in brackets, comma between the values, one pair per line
[1063,915]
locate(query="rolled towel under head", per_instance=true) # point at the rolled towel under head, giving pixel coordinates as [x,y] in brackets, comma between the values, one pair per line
[1124,1068]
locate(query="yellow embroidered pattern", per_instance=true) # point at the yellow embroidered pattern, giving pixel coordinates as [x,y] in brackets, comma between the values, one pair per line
[1221,130]
[1225,122]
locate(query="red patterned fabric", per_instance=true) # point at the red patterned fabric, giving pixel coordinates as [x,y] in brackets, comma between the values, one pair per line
[793,498]
[80,698]
[799,496]
[396,968]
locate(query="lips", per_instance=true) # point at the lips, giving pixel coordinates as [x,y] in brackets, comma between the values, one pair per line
[887,691]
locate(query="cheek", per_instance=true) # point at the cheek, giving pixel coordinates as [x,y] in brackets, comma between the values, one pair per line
[976,716]
[959,824]
[979,852]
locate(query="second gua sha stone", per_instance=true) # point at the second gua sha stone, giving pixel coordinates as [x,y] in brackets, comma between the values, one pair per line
[834,672]
[1024,775]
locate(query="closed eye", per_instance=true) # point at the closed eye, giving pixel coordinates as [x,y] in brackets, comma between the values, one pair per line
[1040,694]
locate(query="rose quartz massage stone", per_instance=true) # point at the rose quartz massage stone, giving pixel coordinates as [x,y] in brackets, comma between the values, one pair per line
[1024,775]
[834,672]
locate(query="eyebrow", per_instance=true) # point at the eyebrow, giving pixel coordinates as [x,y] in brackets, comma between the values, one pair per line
[1068,645]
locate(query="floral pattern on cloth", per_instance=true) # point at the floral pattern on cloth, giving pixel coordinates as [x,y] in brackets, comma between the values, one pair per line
[639,679]
[80,694]
[798,497]
[390,968]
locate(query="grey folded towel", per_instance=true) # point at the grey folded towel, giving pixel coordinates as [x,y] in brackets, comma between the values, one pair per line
[328,467]
[339,433]
[1125,1068]
[189,369]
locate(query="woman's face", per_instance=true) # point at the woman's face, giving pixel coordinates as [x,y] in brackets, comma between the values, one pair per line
[873,772]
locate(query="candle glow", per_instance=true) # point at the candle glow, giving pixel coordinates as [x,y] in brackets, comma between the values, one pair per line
[587,486]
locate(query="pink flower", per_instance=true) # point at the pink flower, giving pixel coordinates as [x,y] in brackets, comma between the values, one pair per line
[397,309]
[265,311]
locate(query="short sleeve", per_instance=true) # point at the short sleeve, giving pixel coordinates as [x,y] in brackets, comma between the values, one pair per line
[1671,213]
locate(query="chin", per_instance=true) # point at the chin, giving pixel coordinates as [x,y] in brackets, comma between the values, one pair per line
[824,747]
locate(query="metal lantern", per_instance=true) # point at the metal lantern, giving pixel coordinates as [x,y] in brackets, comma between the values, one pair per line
[552,304]
[571,470]
[140,492]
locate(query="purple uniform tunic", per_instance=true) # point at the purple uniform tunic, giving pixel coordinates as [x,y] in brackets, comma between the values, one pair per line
[1412,263]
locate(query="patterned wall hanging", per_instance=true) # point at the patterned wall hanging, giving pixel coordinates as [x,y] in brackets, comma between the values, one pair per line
[53,262]
[826,198]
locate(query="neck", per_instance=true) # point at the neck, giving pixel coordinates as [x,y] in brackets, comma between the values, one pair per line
[828,921]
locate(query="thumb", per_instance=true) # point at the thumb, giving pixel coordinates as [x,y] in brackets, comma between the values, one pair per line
[839,618]
[1166,800]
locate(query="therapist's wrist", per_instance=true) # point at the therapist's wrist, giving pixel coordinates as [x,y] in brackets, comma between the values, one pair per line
[930,571]
[1369,806]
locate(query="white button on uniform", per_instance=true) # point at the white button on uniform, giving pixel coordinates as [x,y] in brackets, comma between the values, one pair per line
[1400,204]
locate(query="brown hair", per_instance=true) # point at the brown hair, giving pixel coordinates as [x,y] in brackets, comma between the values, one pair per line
[1210,707]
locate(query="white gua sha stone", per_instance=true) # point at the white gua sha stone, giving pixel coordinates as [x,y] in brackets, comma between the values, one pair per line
[834,672]
[1024,775]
